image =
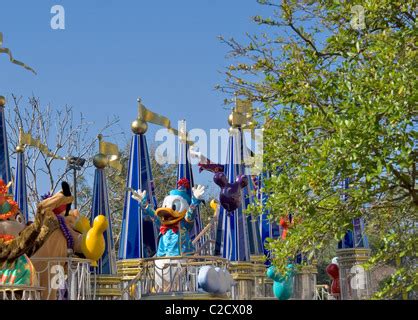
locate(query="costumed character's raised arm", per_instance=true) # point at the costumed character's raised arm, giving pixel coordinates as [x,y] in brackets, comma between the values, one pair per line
[175,218]
[141,197]
[197,198]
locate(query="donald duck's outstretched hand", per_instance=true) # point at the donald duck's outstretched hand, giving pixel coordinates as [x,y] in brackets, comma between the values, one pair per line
[198,192]
[175,218]
[139,196]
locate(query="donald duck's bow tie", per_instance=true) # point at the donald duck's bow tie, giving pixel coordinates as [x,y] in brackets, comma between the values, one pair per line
[164,228]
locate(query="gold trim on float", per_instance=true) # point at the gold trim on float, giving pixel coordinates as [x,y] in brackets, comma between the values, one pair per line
[108,292]
[258,259]
[353,255]
[309,269]
[184,296]
[243,271]
[20,288]
[106,280]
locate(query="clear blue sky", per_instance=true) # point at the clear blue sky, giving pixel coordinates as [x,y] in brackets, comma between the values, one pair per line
[111,52]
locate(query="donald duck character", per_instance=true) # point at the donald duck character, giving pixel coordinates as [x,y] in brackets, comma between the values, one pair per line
[175,218]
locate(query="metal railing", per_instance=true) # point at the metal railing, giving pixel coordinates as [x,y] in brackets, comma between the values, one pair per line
[322,293]
[204,242]
[64,275]
[18,292]
[164,275]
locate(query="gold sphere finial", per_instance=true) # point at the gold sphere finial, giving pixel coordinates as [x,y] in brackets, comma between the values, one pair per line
[2,101]
[20,148]
[139,126]
[100,161]
[230,118]
[232,130]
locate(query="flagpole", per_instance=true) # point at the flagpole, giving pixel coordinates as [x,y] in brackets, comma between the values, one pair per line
[185,170]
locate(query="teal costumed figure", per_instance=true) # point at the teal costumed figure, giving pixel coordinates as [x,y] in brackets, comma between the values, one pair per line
[283,285]
[175,218]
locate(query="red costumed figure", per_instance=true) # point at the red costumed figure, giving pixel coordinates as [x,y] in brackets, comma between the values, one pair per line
[334,272]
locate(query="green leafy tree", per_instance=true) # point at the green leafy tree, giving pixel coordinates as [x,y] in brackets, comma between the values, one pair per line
[339,99]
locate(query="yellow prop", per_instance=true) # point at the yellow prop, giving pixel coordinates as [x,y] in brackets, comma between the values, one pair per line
[82,225]
[12,60]
[93,244]
[214,205]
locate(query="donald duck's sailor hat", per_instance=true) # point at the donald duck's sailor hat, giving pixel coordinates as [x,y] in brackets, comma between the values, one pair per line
[183,190]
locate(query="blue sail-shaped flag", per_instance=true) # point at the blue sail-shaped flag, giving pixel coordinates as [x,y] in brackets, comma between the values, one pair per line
[21,194]
[184,170]
[249,192]
[138,234]
[100,206]
[5,173]
[268,229]
[232,239]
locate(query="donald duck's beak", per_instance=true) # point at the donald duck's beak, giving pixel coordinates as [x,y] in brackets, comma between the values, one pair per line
[169,216]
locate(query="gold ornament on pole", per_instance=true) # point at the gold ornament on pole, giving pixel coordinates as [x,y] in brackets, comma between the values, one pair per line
[2,101]
[100,161]
[108,156]
[28,140]
[139,125]
[20,148]
[242,115]
[145,115]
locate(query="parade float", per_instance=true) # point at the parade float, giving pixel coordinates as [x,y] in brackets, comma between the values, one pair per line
[165,252]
